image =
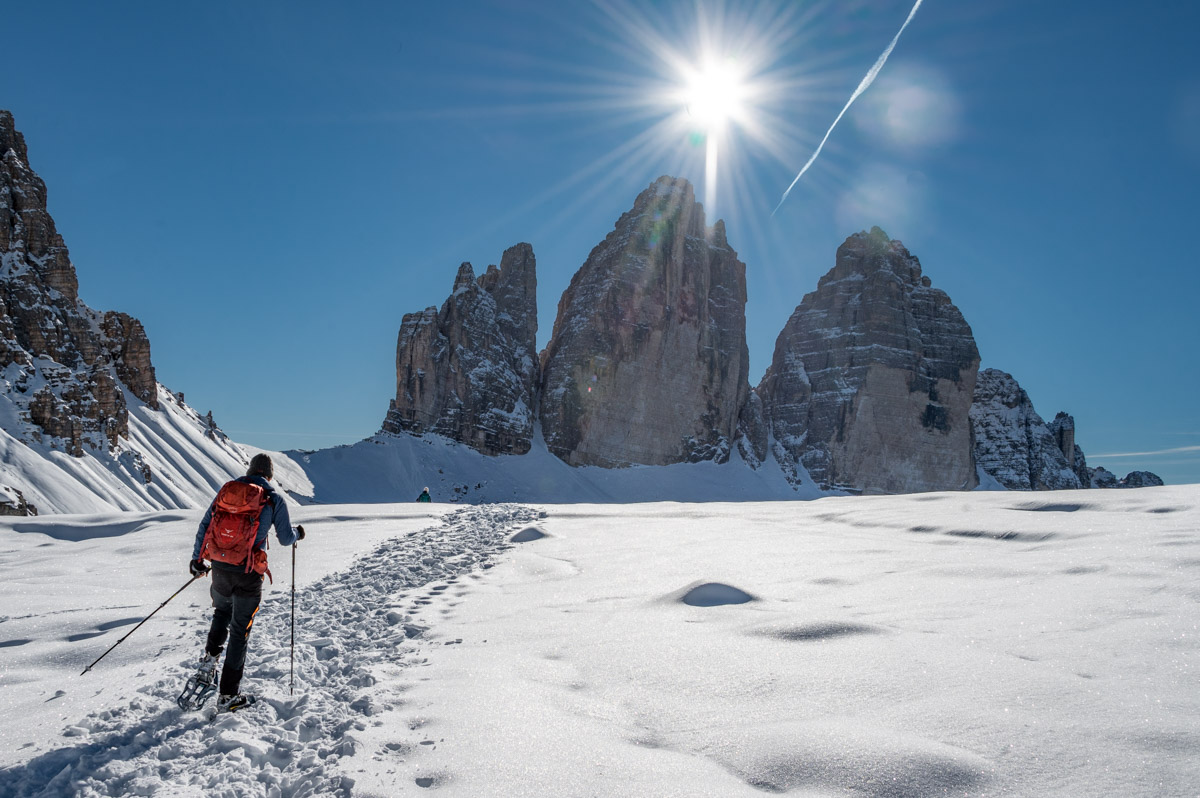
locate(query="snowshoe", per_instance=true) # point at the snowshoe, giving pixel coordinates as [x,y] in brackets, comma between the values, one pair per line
[234,703]
[200,685]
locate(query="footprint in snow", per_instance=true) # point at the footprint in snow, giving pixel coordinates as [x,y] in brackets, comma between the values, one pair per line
[289,745]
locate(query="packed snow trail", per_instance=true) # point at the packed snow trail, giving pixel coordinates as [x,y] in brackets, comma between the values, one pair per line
[348,625]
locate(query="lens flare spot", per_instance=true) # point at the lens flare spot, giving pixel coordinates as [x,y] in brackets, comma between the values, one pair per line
[910,109]
[884,195]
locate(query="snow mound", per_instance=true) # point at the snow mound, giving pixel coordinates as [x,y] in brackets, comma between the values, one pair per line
[528,534]
[715,594]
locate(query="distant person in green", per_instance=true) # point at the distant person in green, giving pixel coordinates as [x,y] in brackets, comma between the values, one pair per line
[424,497]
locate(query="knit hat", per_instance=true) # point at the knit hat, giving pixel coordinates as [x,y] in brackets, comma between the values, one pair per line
[260,466]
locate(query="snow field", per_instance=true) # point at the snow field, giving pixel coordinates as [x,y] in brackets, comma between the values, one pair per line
[891,647]
[938,644]
[349,629]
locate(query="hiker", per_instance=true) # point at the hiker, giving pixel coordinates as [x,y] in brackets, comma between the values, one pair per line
[245,511]
[425,497]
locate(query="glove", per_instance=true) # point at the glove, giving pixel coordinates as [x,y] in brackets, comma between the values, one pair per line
[198,568]
[299,532]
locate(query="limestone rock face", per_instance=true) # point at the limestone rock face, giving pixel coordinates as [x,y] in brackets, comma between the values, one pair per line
[1014,444]
[648,362]
[872,378]
[67,366]
[129,349]
[470,370]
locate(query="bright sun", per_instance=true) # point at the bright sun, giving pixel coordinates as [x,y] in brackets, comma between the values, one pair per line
[714,95]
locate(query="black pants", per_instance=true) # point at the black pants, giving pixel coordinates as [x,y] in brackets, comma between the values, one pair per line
[235,596]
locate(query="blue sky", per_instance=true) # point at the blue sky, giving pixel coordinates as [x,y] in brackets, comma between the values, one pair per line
[270,187]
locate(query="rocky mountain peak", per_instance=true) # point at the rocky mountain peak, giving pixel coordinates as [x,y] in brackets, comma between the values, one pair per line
[872,387]
[872,377]
[27,233]
[670,201]
[469,371]
[11,138]
[465,279]
[647,363]
[73,364]
[867,254]
[514,287]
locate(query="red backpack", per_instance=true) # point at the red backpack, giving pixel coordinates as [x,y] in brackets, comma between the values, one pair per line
[234,527]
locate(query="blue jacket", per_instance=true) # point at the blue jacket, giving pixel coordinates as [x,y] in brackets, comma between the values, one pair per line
[274,512]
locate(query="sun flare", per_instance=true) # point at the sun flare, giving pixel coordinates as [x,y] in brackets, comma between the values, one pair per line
[714,95]
[707,94]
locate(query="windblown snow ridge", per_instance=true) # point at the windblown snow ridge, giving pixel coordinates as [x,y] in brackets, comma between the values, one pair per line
[350,631]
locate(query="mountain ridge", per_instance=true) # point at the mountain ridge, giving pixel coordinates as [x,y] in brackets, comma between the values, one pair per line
[647,369]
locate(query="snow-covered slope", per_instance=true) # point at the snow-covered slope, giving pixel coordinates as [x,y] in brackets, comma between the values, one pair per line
[936,644]
[184,459]
[394,468]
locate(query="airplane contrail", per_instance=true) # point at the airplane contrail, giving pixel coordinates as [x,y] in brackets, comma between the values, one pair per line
[1176,450]
[866,82]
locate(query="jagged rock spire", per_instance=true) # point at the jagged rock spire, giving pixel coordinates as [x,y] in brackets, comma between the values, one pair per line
[648,361]
[470,370]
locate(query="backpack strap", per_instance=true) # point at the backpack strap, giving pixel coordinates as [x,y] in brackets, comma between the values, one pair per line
[256,554]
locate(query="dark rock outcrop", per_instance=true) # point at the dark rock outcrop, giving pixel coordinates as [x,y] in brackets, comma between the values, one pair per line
[1141,479]
[1022,452]
[68,363]
[1014,444]
[1063,430]
[648,362]
[753,431]
[470,371]
[871,381]
[12,502]
[1101,477]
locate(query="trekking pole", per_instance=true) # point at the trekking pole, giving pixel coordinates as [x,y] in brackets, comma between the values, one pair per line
[134,629]
[292,688]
